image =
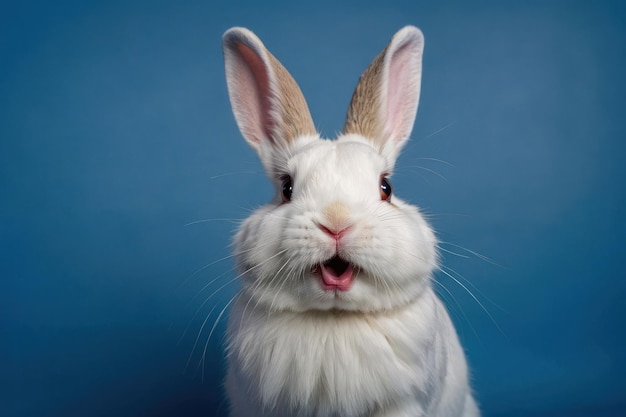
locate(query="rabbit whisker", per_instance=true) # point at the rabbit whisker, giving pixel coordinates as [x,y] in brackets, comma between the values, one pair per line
[453,253]
[476,254]
[217,320]
[257,284]
[427,170]
[210,264]
[475,288]
[284,279]
[235,221]
[442,269]
[458,305]
[213,177]
[436,160]
[202,305]
[216,291]
[440,130]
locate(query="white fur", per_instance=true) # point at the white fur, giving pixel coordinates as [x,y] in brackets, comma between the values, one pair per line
[405,362]
[386,347]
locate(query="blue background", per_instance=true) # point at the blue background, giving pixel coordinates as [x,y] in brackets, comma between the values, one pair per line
[116,133]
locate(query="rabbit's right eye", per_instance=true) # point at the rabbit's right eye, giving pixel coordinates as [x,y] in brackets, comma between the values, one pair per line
[385,189]
[287,189]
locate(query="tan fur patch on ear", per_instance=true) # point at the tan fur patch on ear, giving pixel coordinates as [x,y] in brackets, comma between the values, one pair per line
[364,116]
[294,112]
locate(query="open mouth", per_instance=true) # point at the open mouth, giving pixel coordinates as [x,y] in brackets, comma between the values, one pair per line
[337,274]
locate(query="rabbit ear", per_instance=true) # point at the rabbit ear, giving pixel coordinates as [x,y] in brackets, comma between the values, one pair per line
[268,105]
[384,104]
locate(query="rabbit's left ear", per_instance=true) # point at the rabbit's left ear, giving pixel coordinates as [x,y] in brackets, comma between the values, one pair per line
[267,103]
[384,104]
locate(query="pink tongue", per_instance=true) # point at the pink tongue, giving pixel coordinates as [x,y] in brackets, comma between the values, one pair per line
[342,282]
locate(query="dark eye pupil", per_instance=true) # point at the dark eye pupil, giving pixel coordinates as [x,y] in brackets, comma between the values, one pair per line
[385,189]
[287,189]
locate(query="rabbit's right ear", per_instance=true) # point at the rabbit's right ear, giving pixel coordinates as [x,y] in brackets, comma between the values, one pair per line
[384,104]
[268,105]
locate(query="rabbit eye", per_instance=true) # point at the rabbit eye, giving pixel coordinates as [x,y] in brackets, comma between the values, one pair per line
[385,189]
[287,189]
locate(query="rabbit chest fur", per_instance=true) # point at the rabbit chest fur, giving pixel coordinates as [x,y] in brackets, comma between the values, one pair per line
[402,363]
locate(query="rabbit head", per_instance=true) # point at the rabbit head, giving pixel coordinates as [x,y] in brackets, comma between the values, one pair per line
[334,236]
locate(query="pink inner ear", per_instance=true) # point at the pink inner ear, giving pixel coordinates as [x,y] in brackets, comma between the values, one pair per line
[254,93]
[401,97]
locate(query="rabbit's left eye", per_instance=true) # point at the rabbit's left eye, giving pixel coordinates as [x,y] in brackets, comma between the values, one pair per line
[385,188]
[287,189]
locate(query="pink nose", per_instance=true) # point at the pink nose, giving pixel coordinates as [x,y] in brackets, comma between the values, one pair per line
[335,234]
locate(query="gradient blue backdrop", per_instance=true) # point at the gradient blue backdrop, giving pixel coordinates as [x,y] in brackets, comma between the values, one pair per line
[116,132]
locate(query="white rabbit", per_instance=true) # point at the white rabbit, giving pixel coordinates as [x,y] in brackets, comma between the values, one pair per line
[336,315]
